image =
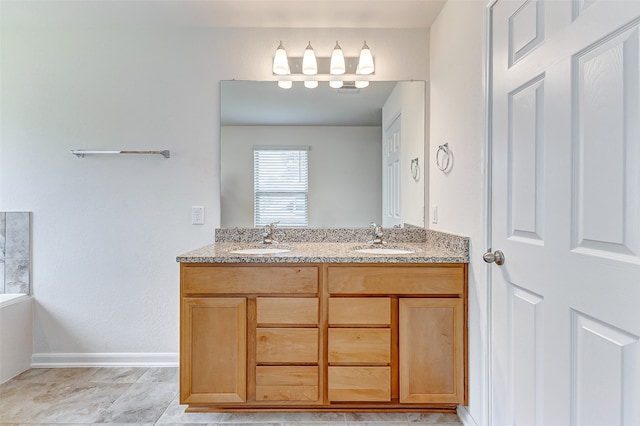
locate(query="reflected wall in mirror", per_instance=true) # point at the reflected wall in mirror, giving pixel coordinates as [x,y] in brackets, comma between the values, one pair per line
[360,141]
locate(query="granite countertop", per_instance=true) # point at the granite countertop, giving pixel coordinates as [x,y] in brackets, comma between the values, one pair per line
[428,246]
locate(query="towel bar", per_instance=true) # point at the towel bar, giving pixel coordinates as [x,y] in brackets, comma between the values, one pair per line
[80,153]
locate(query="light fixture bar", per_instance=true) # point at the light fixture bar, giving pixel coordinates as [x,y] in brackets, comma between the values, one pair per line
[324,66]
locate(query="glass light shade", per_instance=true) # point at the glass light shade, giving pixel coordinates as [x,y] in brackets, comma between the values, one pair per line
[311,84]
[335,84]
[309,63]
[285,84]
[280,61]
[365,63]
[360,84]
[337,60]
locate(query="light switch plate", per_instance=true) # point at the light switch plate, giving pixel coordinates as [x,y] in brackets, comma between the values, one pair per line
[197,215]
[434,214]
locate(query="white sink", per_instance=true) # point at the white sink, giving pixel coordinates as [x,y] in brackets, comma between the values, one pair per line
[385,250]
[261,250]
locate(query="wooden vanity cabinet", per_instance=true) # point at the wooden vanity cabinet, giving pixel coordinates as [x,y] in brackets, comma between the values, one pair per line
[249,335]
[424,307]
[325,336]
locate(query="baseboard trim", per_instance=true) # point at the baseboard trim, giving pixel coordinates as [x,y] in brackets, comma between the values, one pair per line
[465,416]
[59,360]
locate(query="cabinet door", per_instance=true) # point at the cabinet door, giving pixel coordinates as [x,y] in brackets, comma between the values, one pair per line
[431,352]
[213,350]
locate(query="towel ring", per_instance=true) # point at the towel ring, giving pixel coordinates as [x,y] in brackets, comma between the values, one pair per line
[415,169]
[446,156]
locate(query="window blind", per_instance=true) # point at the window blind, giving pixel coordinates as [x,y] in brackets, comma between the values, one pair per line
[281,184]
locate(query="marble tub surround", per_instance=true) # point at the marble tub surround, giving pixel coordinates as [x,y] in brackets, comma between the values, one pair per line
[333,245]
[148,396]
[15,252]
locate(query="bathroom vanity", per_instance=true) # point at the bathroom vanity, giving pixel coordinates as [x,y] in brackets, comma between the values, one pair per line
[322,326]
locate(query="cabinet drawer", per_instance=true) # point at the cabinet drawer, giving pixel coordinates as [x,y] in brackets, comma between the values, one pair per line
[359,383]
[286,383]
[291,310]
[360,311]
[287,345]
[360,345]
[204,279]
[441,279]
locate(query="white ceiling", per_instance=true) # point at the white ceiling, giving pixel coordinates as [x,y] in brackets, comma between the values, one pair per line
[225,13]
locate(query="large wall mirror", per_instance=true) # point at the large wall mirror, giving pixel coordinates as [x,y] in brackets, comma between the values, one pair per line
[360,143]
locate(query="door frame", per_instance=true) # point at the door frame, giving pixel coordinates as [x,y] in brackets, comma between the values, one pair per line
[487,199]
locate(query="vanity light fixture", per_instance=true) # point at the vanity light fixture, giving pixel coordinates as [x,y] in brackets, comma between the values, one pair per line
[281,66]
[337,70]
[365,64]
[281,62]
[337,66]
[309,63]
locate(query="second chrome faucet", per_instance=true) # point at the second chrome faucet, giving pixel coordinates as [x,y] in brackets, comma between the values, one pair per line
[377,234]
[268,236]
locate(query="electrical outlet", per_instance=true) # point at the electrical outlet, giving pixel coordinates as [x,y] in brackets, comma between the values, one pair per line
[197,215]
[434,214]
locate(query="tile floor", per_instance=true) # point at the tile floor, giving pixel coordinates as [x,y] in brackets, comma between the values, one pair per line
[148,396]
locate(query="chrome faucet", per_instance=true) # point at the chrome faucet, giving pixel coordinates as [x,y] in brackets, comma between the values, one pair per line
[268,234]
[377,234]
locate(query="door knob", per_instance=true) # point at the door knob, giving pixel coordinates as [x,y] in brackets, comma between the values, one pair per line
[497,257]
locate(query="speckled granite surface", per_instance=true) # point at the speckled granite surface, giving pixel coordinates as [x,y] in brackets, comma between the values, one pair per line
[319,235]
[321,246]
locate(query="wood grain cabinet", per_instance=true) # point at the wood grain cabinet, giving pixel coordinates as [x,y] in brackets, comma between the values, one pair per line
[323,336]
[359,349]
[287,342]
[249,335]
[431,350]
[423,349]
[213,350]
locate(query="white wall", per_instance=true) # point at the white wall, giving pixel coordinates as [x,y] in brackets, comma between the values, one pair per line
[344,172]
[106,230]
[408,100]
[456,107]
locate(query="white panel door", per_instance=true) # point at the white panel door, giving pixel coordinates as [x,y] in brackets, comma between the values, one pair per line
[391,177]
[565,211]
